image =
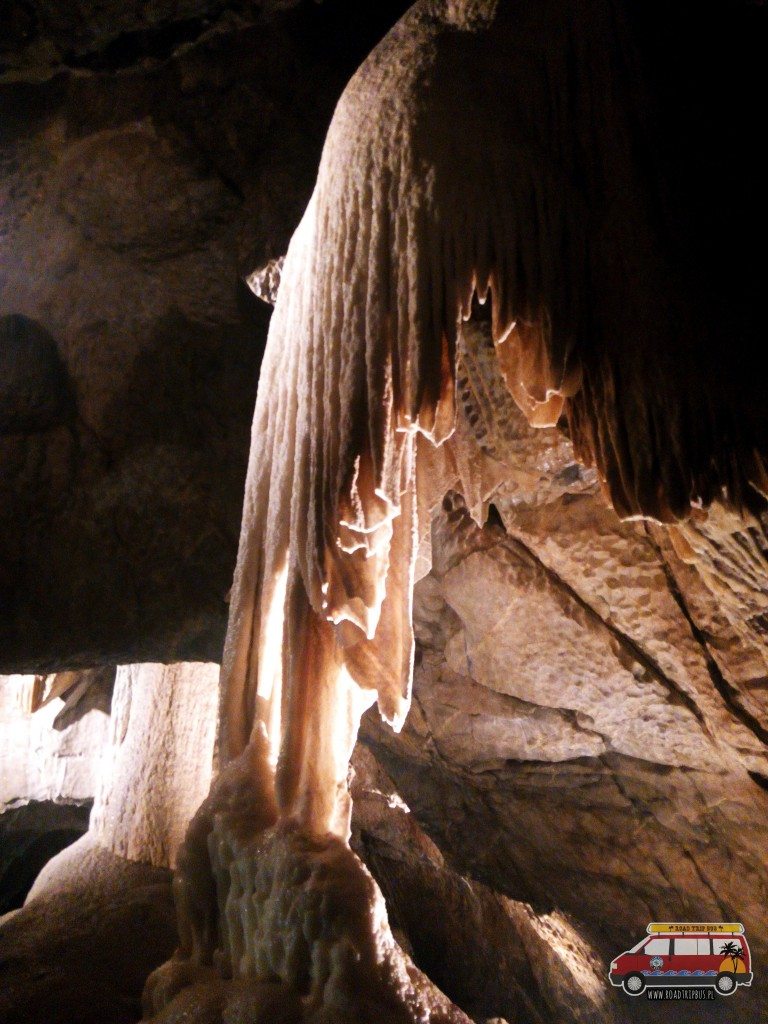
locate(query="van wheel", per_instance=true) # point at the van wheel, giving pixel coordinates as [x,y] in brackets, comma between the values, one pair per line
[725,984]
[634,984]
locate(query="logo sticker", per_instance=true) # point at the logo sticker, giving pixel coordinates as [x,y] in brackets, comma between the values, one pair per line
[685,960]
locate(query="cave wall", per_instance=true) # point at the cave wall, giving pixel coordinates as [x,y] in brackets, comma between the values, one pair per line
[94,877]
[149,160]
[39,762]
[30,835]
[566,719]
[152,156]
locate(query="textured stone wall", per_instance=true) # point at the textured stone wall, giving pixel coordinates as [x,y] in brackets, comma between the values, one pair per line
[156,768]
[584,737]
[150,159]
[39,762]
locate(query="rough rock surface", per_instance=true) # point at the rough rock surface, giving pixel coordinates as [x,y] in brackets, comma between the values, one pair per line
[30,835]
[566,718]
[38,761]
[48,775]
[111,889]
[492,956]
[150,158]
[87,690]
[33,382]
[157,765]
[79,951]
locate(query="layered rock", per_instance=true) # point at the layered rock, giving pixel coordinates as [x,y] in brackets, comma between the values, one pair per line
[157,767]
[39,762]
[565,717]
[494,957]
[48,776]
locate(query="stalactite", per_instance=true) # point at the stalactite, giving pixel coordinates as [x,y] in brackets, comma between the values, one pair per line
[485,150]
[501,159]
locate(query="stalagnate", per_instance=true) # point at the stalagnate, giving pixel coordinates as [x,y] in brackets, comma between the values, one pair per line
[279,923]
[431,193]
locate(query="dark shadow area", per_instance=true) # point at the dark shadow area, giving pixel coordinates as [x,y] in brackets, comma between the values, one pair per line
[29,836]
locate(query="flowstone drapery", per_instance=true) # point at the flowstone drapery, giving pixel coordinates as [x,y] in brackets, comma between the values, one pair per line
[485,148]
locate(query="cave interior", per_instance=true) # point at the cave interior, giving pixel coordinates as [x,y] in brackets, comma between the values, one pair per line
[383,523]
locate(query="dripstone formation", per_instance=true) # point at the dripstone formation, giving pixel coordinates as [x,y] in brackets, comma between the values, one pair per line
[504,524]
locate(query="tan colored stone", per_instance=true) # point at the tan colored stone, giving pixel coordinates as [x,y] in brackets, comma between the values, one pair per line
[158,764]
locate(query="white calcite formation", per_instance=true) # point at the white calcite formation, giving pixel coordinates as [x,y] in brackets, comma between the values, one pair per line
[277,923]
[38,762]
[157,765]
[471,156]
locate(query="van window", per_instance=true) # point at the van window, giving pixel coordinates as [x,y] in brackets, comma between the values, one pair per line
[720,941]
[686,947]
[657,947]
[704,947]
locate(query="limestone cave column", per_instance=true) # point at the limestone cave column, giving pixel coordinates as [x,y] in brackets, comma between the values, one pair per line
[156,767]
[158,764]
[100,915]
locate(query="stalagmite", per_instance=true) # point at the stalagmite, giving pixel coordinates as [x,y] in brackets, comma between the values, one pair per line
[154,768]
[159,760]
[485,148]
[99,916]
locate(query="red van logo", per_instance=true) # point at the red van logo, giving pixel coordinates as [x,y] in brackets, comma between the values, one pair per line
[685,955]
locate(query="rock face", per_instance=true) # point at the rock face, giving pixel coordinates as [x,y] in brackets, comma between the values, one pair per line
[455,928]
[157,765]
[39,762]
[588,728]
[33,392]
[146,337]
[149,161]
[29,836]
[80,949]
[49,768]
[566,718]
[100,915]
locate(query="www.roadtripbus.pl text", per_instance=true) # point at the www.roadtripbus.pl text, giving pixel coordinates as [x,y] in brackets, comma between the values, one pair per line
[681,993]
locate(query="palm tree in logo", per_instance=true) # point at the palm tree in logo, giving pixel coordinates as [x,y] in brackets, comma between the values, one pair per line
[733,951]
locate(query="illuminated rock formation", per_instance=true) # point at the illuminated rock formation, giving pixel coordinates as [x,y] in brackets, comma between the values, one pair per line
[590,729]
[109,892]
[39,761]
[358,384]
[361,358]
[159,762]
